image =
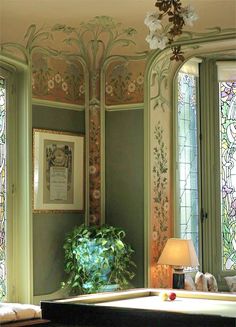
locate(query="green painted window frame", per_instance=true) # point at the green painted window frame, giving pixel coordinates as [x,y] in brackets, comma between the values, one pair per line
[182,146]
[192,68]
[19,225]
[210,197]
[9,75]
[211,173]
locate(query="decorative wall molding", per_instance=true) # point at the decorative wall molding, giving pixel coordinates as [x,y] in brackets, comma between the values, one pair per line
[134,106]
[58,105]
[160,73]
[34,39]
[210,34]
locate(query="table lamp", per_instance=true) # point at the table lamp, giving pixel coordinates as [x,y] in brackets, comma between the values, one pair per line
[178,253]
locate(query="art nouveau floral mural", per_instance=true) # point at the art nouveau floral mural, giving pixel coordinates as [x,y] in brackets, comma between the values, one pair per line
[160,205]
[125,82]
[3,188]
[160,119]
[57,79]
[91,47]
[57,76]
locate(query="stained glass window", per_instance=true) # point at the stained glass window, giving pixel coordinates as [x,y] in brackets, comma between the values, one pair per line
[188,157]
[228,172]
[2,188]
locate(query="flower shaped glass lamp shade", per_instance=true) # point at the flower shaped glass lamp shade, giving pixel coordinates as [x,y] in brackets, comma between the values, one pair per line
[178,253]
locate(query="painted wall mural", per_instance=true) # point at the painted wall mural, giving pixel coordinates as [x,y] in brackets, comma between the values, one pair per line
[3,188]
[57,79]
[91,44]
[91,47]
[125,82]
[160,206]
[160,120]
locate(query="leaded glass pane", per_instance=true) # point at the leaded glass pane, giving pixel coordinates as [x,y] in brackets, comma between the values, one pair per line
[228,172]
[2,188]
[187,157]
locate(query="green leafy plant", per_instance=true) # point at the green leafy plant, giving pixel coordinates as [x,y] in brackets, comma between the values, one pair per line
[96,257]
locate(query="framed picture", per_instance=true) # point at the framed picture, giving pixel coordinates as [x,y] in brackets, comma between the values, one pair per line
[58,176]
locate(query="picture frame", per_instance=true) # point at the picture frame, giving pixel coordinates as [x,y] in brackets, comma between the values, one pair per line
[58,171]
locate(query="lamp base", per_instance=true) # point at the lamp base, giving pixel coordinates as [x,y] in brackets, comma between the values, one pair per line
[178,279]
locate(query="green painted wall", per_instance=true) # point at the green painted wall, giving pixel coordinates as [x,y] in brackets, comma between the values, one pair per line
[49,229]
[58,119]
[125,180]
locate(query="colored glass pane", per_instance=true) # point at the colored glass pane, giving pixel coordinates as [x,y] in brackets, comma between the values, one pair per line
[228,173]
[188,157]
[2,187]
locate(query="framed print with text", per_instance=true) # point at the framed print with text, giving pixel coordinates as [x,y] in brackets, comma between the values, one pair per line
[58,176]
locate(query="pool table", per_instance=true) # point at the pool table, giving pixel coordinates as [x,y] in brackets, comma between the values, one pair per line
[143,308]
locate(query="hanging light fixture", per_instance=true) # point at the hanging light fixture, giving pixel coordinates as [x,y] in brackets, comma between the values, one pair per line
[167,23]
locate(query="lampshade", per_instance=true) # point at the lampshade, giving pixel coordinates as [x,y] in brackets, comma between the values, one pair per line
[179,252]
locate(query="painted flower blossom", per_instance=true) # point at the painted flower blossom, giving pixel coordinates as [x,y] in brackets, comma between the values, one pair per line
[64,86]
[57,78]
[109,89]
[189,15]
[154,235]
[92,170]
[131,87]
[92,219]
[96,194]
[51,84]
[166,206]
[152,21]
[140,79]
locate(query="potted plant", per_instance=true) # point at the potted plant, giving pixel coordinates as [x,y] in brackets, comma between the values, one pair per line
[96,257]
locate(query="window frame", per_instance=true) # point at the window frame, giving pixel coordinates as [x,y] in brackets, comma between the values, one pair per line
[229,68]
[209,171]
[8,73]
[20,245]
[192,68]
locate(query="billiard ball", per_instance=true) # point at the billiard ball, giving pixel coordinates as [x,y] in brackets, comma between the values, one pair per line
[163,296]
[172,296]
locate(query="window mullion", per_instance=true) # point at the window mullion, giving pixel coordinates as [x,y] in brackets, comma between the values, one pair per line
[210,172]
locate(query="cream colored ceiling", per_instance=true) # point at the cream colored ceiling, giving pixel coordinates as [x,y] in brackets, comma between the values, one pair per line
[17,15]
